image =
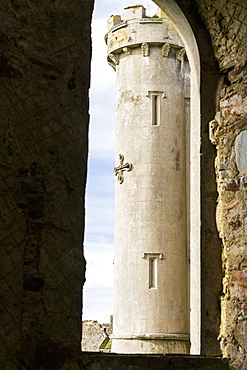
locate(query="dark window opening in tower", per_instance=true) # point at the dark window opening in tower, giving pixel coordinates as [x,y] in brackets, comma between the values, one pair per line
[155,110]
[153,274]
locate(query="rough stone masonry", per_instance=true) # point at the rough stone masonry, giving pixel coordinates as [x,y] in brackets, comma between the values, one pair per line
[44,71]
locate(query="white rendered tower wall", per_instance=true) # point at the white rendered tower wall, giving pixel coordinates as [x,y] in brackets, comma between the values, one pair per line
[151,313]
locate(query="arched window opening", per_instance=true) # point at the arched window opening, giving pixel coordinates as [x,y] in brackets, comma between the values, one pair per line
[193,162]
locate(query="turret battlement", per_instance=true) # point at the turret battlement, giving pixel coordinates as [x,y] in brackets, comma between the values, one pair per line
[137,28]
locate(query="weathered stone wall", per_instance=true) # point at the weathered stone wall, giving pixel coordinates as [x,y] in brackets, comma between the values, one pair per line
[44,81]
[95,336]
[230,135]
[220,26]
[227,24]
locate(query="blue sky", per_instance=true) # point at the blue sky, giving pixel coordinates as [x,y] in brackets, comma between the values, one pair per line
[99,233]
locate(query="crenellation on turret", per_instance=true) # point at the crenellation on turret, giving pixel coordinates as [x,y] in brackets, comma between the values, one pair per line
[137,28]
[134,12]
[113,21]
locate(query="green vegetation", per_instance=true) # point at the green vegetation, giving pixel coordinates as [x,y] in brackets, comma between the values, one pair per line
[108,346]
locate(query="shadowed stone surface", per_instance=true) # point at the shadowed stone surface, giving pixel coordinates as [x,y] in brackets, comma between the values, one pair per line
[44,80]
[151,362]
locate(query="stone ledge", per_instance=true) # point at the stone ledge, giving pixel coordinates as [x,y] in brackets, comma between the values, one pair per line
[112,361]
[151,336]
[150,20]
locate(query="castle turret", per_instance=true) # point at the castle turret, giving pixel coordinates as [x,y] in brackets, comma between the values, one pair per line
[151,313]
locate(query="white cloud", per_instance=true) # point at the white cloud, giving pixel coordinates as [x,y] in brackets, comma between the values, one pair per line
[116,7]
[100,273]
[102,97]
[101,302]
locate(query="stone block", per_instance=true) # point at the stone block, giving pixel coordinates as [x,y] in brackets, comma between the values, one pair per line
[241,152]
[238,284]
[240,334]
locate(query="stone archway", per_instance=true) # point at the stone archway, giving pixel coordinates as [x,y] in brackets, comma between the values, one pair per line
[206,270]
[186,33]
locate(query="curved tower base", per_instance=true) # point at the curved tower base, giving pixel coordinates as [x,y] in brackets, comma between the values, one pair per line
[176,343]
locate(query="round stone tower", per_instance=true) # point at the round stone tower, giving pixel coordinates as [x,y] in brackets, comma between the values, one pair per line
[151,313]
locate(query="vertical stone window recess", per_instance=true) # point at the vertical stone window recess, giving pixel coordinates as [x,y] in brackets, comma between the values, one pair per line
[153,275]
[153,268]
[156,110]
[156,97]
